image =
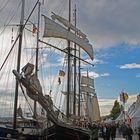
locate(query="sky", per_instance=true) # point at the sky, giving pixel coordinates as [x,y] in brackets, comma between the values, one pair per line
[113,28]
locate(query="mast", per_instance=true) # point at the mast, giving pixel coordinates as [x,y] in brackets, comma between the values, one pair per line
[68,79]
[87,99]
[18,61]
[37,51]
[74,96]
[79,75]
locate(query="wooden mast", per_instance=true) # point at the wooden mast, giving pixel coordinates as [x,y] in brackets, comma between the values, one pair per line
[37,51]
[18,61]
[68,79]
[74,96]
[79,81]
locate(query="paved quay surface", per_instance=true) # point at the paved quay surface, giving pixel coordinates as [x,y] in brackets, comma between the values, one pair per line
[115,139]
[135,137]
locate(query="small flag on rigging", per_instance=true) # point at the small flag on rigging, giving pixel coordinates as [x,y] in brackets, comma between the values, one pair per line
[34,29]
[61,73]
[123,97]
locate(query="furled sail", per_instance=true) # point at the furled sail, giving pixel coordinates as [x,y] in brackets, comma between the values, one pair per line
[53,29]
[87,81]
[87,89]
[69,25]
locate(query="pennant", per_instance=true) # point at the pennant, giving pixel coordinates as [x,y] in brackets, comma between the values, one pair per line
[123,97]
[34,29]
[61,73]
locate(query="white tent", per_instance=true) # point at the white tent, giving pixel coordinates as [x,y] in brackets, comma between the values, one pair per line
[136,118]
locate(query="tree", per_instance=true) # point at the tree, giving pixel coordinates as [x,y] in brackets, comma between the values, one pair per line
[114,113]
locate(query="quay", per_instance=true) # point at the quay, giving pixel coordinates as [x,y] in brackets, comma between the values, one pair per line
[135,137]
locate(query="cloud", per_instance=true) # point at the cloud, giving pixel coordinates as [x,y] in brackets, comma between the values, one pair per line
[107,104]
[96,61]
[111,22]
[106,23]
[95,75]
[130,66]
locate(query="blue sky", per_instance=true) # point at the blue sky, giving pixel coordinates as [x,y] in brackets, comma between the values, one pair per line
[113,28]
[121,62]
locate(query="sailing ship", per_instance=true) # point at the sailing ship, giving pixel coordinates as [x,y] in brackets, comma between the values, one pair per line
[80,107]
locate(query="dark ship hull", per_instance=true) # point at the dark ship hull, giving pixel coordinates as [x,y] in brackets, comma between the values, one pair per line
[55,132]
[59,132]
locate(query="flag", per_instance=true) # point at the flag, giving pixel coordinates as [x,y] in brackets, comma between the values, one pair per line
[34,29]
[61,73]
[123,97]
[129,120]
[126,96]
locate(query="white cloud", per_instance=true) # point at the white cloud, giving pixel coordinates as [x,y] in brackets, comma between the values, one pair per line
[106,22]
[105,74]
[107,104]
[95,75]
[130,66]
[111,22]
[96,61]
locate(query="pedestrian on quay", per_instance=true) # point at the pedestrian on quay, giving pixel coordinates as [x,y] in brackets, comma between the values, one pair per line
[123,129]
[113,131]
[129,132]
[94,131]
[106,131]
[103,131]
[138,131]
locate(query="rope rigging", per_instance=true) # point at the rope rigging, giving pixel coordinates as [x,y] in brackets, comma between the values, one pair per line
[4,5]
[11,18]
[18,35]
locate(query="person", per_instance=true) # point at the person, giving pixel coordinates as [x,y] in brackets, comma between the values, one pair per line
[138,131]
[123,129]
[113,131]
[94,131]
[107,131]
[129,132]
[103,130]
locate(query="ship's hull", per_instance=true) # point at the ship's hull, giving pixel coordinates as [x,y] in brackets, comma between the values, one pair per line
[58,132]
[55,132]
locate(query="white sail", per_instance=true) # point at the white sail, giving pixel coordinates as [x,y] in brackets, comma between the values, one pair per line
[71,97]
[69,25]
[87,81]
[92,108]
[92,111]
[87,89]
[96,110]
[53,29]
